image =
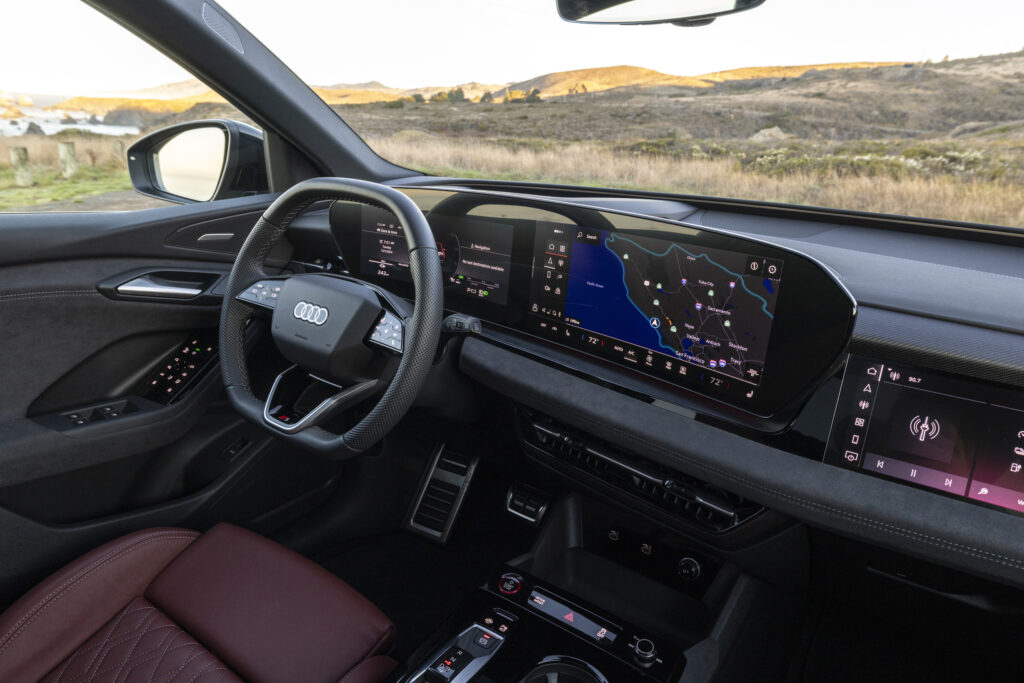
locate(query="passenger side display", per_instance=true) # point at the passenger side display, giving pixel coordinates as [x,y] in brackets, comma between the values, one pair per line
[962,437]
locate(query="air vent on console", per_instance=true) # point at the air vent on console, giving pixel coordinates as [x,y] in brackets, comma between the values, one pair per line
[697,501]
[441,494]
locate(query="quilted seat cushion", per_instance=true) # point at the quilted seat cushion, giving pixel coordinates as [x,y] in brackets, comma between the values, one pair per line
[141,644]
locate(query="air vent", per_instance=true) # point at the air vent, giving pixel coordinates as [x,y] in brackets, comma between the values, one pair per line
[440,496]
[683,496]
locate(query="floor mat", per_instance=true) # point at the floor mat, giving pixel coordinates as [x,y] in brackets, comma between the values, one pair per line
[418,583]
[853,645]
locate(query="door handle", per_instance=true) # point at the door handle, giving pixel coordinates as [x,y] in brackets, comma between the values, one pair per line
[146,286]
[171,286]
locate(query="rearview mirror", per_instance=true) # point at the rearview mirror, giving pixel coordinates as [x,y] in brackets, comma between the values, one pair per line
[678,12]
[199,161]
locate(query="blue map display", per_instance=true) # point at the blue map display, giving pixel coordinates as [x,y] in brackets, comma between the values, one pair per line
[712,308]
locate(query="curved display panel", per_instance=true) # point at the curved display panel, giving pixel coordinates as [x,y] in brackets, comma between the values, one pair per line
[748,324]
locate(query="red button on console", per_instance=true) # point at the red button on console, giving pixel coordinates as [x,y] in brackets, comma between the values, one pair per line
[510,584]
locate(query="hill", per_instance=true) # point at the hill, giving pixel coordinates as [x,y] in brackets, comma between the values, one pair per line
[179,96]
[855,101]
[583,81]
[101,106]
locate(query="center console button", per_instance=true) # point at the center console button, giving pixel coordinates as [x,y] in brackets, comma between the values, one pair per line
[644,652]
[483,639]
[451,662]
[510,584]
[689,569]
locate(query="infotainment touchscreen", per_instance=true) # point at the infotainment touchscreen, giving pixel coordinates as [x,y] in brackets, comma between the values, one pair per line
[943,432]
[476,254]
[663,306]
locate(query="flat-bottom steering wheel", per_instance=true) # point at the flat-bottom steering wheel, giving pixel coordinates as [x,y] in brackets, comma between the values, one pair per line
[343,336]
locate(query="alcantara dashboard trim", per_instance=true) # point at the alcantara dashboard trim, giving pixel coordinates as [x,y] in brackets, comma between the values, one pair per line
[952,532]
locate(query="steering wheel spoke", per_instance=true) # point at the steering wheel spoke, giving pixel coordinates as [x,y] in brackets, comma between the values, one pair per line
[299,400]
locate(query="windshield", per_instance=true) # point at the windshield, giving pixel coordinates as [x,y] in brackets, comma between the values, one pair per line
[911,108]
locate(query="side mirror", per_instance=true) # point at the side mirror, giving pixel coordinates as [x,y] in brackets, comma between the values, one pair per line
[678,12]
[199,161]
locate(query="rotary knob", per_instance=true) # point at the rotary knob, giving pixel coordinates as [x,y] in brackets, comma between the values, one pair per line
[644,652]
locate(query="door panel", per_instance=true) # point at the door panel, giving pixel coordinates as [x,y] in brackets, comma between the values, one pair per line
[74,345]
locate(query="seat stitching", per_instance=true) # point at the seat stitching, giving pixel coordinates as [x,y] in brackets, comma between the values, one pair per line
[48,293]
[99,560]
[139,637]
[175,672]
[57,593]
[142,659]
[202,673]
[99,646]
[111,630]
[164,654]
[142,632]
[136,634]
[120,663]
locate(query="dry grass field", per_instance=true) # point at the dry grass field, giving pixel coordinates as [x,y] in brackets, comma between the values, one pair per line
[932,140]
[976,200]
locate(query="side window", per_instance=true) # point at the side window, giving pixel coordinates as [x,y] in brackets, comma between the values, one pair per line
[76,92]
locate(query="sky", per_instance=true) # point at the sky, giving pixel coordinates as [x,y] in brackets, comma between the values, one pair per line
[65,47]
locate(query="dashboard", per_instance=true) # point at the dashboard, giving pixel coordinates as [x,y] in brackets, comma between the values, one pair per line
[698,313]
[832,298]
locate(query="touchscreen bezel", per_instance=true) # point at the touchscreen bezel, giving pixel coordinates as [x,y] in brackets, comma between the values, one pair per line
[814,314]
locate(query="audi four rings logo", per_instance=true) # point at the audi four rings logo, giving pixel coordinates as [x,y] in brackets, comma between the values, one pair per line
[310,313]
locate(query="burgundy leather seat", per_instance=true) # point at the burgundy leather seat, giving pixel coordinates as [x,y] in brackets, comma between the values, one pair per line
[171,605]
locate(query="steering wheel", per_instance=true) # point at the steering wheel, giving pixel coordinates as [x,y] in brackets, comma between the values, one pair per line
[348,341]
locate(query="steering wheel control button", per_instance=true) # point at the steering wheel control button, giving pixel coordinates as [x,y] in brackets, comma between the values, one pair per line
[265,293]
[389,333]
[510,584]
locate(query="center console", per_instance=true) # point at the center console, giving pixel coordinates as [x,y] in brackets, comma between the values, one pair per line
[519,628]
